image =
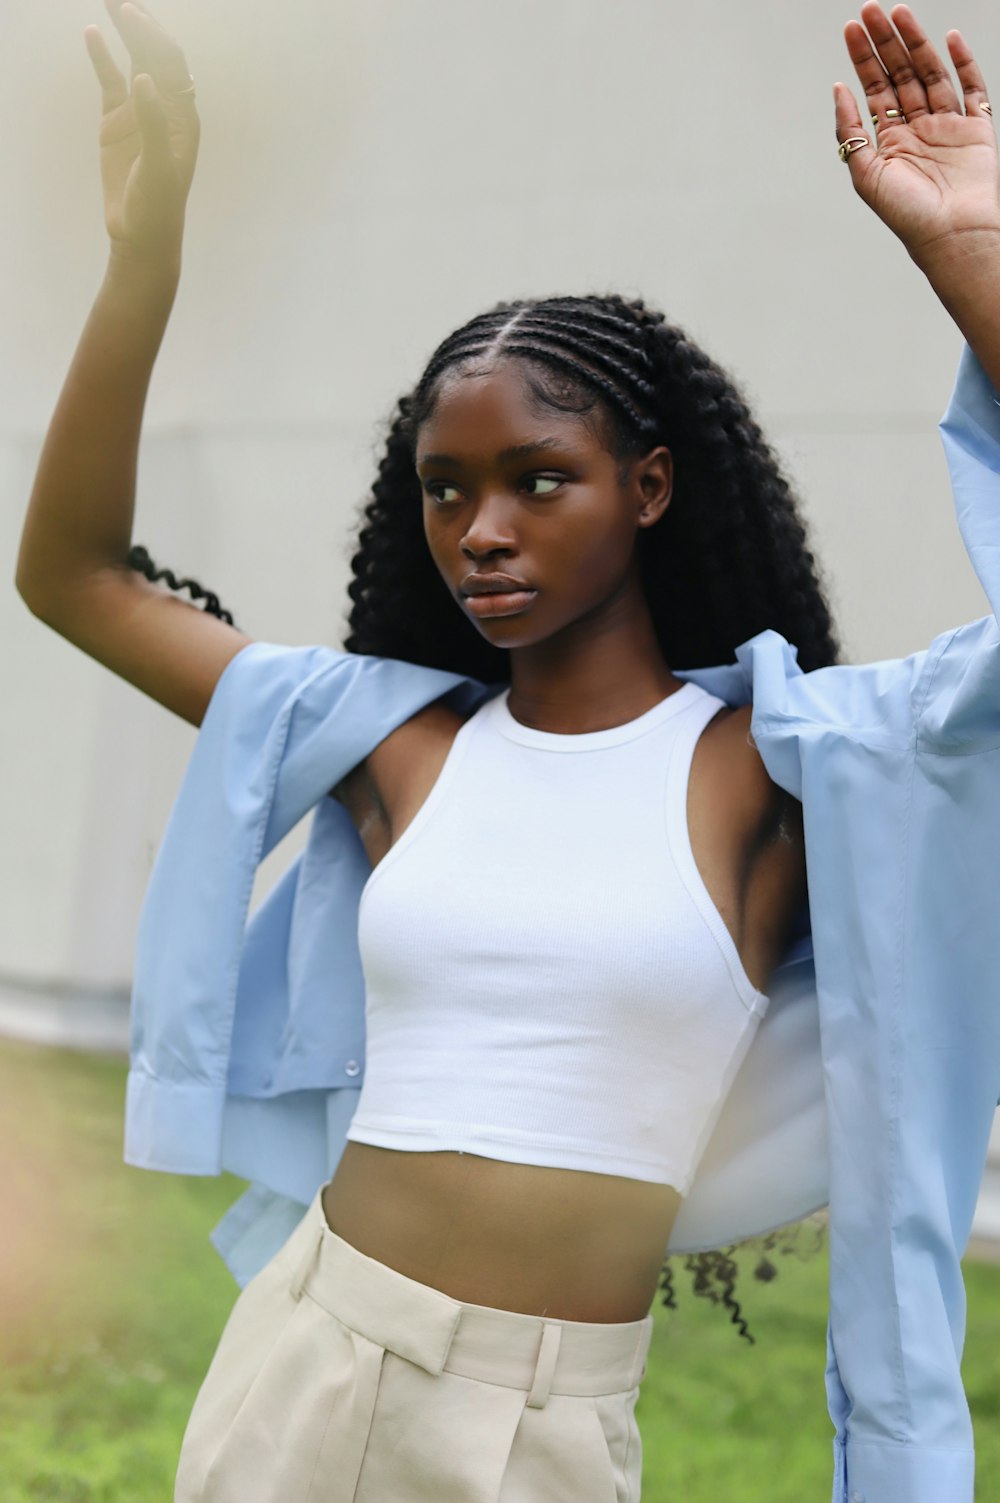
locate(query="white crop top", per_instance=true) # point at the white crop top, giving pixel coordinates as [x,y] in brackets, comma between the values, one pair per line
[547,978]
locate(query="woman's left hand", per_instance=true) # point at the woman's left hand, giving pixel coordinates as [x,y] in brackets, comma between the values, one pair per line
[930,172]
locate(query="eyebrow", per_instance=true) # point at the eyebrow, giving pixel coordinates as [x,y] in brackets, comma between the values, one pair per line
[516,451]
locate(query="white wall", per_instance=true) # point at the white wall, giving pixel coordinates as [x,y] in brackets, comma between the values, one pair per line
[372,173]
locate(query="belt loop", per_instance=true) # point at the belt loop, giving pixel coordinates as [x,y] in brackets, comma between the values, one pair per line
[306,1262]
[545,1365]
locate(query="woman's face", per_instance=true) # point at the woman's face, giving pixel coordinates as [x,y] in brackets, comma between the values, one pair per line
[531,494]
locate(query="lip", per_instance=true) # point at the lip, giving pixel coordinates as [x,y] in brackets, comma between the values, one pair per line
[492,584]
[499,602]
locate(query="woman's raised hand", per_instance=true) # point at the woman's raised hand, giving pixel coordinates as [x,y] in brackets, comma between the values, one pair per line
[149,135]
[929,169]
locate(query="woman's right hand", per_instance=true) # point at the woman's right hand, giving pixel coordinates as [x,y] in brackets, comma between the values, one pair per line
[149,136]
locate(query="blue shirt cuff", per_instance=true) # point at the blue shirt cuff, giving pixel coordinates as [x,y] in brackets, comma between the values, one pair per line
[886,1472]
[188,1117]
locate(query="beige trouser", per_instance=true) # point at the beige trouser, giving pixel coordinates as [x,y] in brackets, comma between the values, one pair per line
[339,1380]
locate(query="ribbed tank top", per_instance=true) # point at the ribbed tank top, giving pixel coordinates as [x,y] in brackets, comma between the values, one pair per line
[547,978]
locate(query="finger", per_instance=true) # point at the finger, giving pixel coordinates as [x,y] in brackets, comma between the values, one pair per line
[114,89]
[136,5]
[896,61]
[151,49]
[880,96]
[114,6]
[969,76]
[932,72]
[850,129]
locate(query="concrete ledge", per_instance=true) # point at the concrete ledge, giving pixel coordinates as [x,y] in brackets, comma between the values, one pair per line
[97,1023]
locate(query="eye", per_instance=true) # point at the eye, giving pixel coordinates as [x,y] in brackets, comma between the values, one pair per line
[433,487]
[552,480]
[536,486]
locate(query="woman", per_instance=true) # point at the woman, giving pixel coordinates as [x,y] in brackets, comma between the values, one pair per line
[481,1265]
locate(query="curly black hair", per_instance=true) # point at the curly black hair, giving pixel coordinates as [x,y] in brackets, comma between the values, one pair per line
[729,557]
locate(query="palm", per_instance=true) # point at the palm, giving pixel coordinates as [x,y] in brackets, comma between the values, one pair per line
[137,194]
[933,173]
[934,176]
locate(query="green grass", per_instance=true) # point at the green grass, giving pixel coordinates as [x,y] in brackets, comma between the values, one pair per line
[112,1300]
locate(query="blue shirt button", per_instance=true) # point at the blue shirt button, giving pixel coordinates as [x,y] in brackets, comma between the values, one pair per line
[353,1068]
[857,1497]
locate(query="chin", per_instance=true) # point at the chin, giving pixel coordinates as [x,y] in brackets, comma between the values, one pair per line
[508,634]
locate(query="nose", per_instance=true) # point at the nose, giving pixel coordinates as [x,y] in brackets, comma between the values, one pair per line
[491,529]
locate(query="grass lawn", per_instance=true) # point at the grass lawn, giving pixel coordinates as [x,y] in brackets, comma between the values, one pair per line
[112,1300]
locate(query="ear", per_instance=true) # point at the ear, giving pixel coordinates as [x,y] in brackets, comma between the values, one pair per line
[653,477]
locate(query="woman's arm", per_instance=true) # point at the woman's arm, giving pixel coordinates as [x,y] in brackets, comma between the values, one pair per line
[80,514]
[72,570]
[79,518]
[931,173]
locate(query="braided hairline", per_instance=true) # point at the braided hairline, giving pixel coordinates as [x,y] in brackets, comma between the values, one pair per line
[475,336]
[567,322]
[567,362]
[642,392]
[466,342]
[620,370]
[614,365]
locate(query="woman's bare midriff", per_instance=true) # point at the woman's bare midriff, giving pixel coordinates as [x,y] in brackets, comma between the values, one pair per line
[559,1242]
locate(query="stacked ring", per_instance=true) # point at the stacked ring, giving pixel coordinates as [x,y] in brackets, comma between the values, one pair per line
[986,107]
[851,145]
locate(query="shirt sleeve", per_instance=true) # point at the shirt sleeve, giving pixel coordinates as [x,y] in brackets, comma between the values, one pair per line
[192,921]
[959,708]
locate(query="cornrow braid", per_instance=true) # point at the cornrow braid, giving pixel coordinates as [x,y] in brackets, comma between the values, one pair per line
[612,388]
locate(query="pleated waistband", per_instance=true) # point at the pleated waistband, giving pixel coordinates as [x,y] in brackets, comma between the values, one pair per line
[441,1334]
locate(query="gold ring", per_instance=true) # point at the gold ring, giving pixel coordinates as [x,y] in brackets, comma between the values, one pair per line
[895,115]
[179,93]
[986,107]
[851,145]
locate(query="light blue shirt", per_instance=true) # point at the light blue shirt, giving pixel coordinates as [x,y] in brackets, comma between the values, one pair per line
[873,1078]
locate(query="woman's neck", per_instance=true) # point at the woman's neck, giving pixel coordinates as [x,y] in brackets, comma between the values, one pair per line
[590,677]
